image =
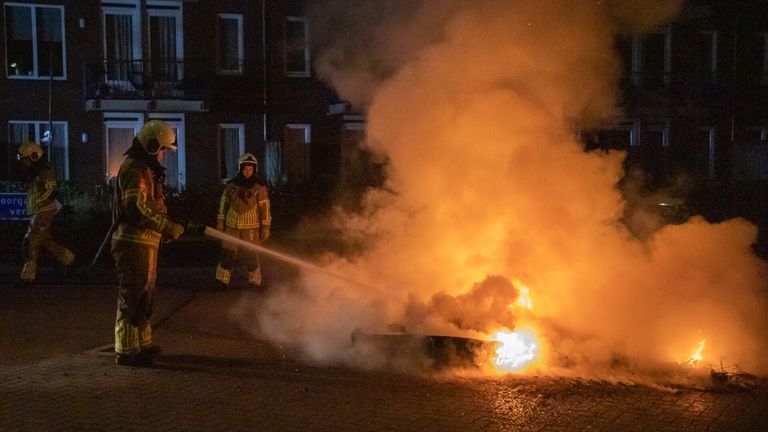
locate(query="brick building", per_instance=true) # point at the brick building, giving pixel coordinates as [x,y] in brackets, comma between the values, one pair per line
[230,76]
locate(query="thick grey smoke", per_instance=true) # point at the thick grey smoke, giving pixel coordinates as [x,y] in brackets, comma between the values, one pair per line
[473,103]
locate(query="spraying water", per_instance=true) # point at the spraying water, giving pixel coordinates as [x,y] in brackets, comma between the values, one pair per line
[210,232]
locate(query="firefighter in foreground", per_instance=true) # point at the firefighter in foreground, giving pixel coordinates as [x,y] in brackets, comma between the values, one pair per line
[243,213]
[141,222]
[42,207]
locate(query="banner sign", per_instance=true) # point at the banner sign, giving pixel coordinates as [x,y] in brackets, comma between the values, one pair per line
[13,205]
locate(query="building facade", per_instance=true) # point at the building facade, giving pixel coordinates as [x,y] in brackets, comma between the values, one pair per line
[693,96]
[233,76]
[230,76]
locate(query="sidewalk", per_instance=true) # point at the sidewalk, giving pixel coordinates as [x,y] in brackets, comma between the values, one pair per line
[57,373]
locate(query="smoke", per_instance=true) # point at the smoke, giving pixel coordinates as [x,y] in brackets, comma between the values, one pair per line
[474,104]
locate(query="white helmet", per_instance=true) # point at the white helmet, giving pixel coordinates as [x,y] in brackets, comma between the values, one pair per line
[155,135]
[31,150]
[248,159]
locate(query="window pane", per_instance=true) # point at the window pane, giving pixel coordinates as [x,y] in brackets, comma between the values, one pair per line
[118,141]
[753,61]
[18,32]
[229,44]
[230,151]
[20,132]
[119,43]
[295,154]
[163,54]
[50,49]
[653,59]
[295,58]
[170,161]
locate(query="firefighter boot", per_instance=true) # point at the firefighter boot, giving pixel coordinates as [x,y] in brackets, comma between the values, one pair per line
[254,279]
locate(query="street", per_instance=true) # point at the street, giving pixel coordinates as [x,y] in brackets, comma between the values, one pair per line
[57,373]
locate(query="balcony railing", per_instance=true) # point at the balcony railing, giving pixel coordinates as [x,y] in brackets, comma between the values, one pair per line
[140,79]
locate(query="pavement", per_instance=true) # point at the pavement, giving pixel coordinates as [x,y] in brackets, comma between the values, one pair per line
[57,373]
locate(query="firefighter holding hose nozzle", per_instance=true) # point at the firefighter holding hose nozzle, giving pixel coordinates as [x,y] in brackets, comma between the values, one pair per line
[140,220]
[244,214]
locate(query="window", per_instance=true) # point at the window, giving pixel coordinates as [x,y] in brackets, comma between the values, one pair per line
[119,130]
[296,153]
[121,23]
[52,137]
[750,156]
[296,47]
[231,146]
[166,41]
[229,53]
[705,56]
[34,41]
[651,64]
[174,161]
[755,62]
[703,158]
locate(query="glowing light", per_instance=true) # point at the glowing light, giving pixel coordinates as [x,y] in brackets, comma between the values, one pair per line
[525,298]
[515,351]
[696,357]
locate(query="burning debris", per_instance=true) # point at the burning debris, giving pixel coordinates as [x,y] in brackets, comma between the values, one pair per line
[422,352]
[488,184]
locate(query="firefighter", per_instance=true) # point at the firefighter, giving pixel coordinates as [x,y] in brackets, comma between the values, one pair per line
[141,222]
[42,207]
[243,213]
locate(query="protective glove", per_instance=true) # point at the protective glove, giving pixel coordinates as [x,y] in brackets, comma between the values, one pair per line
[195,228]
[220,225]
[264,233]
[175,231]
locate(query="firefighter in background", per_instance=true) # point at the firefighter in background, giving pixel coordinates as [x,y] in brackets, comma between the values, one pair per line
[42,207]
[141,222]
[243,213]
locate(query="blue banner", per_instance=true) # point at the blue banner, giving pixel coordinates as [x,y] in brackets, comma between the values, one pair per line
[13,205]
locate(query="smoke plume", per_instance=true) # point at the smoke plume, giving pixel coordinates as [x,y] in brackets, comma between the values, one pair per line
[474,105]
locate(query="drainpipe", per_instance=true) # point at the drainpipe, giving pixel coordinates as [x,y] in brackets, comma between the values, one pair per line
[264,71]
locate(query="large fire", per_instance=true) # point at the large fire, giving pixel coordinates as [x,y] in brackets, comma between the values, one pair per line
[516,350]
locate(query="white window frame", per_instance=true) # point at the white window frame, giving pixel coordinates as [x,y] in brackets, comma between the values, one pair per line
[240,145]
[240,44]
[170,8]
[39,126]
[36,67]
[131,8]
[120,121]
[176,120]
[122,7]
[307,66]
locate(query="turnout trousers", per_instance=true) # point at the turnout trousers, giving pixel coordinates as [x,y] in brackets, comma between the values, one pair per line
[137,274]
[39,235]
[230,252]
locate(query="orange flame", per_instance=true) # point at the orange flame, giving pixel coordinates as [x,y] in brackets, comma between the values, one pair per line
[696,357]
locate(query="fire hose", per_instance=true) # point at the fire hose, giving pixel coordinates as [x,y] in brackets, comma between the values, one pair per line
[195,228]
[210,232]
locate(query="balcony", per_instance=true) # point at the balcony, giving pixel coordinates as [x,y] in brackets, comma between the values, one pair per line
[143,85]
